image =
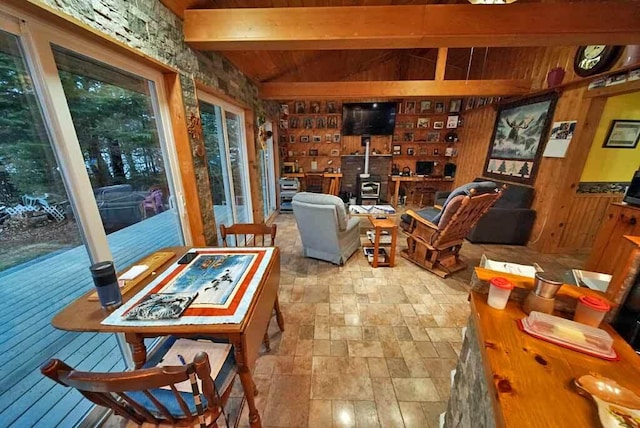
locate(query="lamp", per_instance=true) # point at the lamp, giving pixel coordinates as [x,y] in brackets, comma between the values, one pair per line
[491,1]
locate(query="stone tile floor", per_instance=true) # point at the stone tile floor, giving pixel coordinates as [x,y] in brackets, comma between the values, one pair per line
[367,347]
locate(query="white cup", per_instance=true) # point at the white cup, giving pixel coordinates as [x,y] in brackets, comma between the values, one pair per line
[499,292]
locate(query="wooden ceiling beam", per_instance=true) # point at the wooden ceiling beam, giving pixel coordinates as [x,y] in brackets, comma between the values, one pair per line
[390,89]
[382,27]
[441,64]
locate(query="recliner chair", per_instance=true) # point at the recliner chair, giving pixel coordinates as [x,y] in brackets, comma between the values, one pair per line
[326,230]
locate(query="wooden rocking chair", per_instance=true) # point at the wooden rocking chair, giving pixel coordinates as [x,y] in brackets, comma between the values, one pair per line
[436,247]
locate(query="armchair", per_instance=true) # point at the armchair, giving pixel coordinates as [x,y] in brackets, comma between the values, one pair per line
[326,230]
[435,245]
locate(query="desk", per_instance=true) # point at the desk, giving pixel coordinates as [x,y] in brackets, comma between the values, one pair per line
[396,179]
[246,336]
[506,378]
[334,180]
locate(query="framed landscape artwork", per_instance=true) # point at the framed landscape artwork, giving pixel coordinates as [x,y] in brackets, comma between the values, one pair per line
[518,139]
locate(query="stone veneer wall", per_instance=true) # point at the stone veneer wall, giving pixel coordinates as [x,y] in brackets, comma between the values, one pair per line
[469,402]
[151,28]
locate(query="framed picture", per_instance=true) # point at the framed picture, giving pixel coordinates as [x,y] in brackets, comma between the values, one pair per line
[293,123]
[397,150]
[423,122]
[315,107]
[283,152]
[410,107]
[283,139]
[438,125]
[481,101]
[425,106]
[332,122]
[317,139]
[452,122]
[336,138]
[299,107]
[436,152]
[327,138]
[439,108]
[433,137]
[455,105]
[623,134]
[320,123]
[308,123]
[408,125]
[313,152]
[331,107]
[470,103]
[396,137]
[408,136]
[284,123]
[284,109]
[335,152]
[292,138]
[304,138]
[516,145]
[410,151]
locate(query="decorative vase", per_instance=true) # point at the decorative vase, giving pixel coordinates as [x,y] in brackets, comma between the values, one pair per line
[631,55]
[555,76]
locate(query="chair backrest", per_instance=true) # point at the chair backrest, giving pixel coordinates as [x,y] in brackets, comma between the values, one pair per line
[249,231]
[314,182]
[460,215]
[136,395]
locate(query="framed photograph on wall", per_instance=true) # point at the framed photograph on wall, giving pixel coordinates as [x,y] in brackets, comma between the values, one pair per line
[313,152]
[423,122]
[315,107]
[411,151]
[455,105]
[299,107]
[433,137]
[438,125]
[328,138]
[284,109]
[517,142]
[320,123]
[317,139]
[623,134]
[410,107]
[292,138]
[335,152]
[452,122]
[425,106]
[469,104]
[397,149]
[331,107]
[336,138]
[439,108]
[304,138]
[293,123]
[408,136]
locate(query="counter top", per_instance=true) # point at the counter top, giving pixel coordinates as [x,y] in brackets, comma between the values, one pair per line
[530,381]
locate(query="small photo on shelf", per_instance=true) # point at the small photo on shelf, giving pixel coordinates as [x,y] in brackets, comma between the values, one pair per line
[425,106]
[315,107]
[332,122]
[455,105]
[320,123]
[293,123]
[439,108]
[299,107]
[308,123]
[331,107]
[423,122]
[410,107]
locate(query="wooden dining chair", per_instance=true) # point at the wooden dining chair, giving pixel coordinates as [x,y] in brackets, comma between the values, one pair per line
[150,395]
[254,234]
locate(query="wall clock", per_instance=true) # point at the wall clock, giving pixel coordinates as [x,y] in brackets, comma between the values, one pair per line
[594,59]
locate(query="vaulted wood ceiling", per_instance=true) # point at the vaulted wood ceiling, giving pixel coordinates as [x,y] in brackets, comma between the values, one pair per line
[347,65]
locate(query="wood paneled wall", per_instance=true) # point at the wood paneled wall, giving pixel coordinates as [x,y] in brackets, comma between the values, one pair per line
[474,137]
[585,217]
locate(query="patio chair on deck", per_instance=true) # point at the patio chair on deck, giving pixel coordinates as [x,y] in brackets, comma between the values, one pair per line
[254,234]
[152,394]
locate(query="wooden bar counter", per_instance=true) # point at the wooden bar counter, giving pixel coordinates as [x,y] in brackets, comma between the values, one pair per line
[506,378]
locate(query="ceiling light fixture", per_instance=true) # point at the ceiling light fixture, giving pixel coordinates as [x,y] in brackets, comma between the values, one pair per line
[491,1]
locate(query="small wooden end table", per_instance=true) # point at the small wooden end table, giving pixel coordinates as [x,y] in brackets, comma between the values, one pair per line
[379,225]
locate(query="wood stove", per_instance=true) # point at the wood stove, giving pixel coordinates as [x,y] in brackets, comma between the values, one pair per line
[369,189]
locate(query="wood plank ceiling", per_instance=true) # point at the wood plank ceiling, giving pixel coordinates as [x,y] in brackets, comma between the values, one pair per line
[346,65]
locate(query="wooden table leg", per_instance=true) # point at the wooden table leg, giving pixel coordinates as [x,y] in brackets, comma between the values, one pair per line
[279,317]
[248,385]
[138,349]
[395,194]
[392,256]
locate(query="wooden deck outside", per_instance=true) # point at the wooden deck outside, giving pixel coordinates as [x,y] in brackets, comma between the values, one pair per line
[30,298]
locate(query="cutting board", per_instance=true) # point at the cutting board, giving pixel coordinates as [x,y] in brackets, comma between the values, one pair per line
[153,261]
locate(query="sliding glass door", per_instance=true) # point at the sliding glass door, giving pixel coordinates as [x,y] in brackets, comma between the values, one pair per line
[225,145]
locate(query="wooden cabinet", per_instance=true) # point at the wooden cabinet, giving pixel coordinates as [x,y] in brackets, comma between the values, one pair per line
[621,219]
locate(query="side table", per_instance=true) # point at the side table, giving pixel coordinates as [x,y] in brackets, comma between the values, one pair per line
[379,225]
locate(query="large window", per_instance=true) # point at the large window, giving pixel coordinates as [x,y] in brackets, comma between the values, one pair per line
[225,145]
[85,175]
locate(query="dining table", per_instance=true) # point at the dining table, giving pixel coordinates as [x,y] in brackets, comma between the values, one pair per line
[245,334]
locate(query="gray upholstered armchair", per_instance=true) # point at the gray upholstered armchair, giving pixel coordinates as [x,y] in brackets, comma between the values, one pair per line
[326,230]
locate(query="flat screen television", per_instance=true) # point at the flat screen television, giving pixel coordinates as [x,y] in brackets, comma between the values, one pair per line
[632,195]
[368,118]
